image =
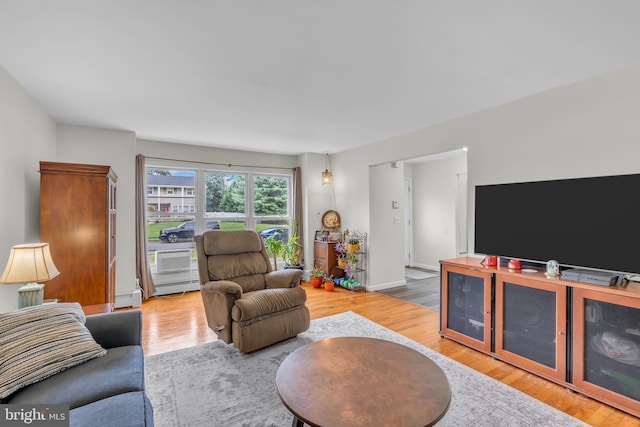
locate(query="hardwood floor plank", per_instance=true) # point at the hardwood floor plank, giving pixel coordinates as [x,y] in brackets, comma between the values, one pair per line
[175,322]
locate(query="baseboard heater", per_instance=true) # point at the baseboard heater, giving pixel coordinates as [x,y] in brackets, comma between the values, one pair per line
[173,260]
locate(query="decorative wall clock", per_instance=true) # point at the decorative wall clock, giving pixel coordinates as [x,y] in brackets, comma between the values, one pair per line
[331,219]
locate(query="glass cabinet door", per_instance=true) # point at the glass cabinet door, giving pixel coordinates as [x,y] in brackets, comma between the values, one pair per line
[466,306]
[531,325]
[606,346]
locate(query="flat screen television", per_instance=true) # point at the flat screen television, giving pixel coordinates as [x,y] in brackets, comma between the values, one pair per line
[584,222]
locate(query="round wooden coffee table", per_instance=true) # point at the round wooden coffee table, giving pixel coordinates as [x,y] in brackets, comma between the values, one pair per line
[357,381]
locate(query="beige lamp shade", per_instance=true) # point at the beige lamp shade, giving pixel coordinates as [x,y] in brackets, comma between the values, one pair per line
[30,262]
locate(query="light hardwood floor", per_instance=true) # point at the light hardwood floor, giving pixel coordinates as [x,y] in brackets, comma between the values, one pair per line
[176,322]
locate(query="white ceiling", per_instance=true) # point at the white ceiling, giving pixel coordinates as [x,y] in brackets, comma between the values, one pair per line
[294,76]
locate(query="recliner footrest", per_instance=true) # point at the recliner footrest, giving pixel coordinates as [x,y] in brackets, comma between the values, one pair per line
[268,301]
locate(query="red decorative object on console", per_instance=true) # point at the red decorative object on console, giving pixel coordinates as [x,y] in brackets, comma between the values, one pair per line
[490,261]
[514,264]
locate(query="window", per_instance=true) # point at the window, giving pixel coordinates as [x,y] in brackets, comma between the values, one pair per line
[185,201]
[271,196]
[262,204]
[224,194]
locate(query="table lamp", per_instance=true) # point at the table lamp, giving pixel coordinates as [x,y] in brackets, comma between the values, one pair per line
[29,263]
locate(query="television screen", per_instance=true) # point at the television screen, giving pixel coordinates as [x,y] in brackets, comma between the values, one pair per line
[582,222]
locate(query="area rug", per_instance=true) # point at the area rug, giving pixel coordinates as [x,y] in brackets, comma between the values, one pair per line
[215,385]
[418,274]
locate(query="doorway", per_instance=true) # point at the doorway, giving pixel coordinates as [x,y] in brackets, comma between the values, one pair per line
[435,188]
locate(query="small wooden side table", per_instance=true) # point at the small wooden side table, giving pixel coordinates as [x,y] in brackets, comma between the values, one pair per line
[97,309]
[358,381]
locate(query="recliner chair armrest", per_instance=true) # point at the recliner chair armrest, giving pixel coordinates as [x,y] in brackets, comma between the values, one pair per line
[218,298]
[287,278]
[223,287]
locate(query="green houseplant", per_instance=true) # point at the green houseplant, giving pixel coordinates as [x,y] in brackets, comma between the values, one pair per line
[291,252]
[275,246]
[292,249]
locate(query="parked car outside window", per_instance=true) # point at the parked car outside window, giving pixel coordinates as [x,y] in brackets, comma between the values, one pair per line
[281,233]
[184,231]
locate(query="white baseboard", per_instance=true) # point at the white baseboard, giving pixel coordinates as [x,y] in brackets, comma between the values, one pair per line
[387,285]
[176,289]
[133,300]
[427,266]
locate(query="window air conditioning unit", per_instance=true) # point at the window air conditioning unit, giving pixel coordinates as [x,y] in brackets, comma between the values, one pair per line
[173,260]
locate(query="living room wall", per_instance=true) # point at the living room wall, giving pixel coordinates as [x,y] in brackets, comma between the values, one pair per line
[27,135]
[387,228]
[588,128]
[115,148]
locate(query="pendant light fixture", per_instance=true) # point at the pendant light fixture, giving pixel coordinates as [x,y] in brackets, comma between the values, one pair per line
[327,176]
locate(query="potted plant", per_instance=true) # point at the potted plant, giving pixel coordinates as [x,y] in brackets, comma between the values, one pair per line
[275,246]
[317,277]
[291,250]
[329,284]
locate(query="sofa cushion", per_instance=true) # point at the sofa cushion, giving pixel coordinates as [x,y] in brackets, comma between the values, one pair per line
[40,341]
[129,409]
[121,370]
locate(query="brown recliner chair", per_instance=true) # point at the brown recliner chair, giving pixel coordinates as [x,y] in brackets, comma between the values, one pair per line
[245,301]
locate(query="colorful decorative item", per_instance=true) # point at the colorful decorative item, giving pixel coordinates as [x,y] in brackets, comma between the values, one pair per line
[553,268]
[514,264]
[490,261]
[349,283]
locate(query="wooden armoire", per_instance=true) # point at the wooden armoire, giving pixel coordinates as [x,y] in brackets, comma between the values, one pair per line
[78,220]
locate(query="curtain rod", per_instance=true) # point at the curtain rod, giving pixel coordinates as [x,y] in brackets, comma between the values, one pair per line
[229,165]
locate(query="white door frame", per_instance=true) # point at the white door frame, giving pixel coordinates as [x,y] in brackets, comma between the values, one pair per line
[461,215]
[408,221]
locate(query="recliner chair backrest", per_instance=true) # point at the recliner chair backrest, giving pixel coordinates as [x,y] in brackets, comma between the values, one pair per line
[237,255]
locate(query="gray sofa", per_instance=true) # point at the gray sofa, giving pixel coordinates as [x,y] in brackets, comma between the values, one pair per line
[105,391]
